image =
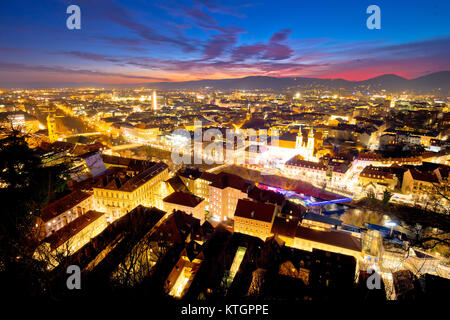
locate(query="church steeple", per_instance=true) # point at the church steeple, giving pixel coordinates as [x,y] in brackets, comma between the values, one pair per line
[51,127]
[299,139]
[310,145]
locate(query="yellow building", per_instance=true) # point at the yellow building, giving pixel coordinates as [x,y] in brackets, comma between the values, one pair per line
[69,239]
[377,176]
[254,218]
[186,202]
[121,192]
[303,238]
[315,172]
[224,193]
[420,184]
[51,127]
[180,278]
[198,182]
[145,133]
[59,213]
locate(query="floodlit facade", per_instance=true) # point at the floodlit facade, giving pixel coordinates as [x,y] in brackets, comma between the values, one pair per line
[254,218]
[224,194]
[187,203]
[120,193]
[180,278]
[60,213]
[69,239]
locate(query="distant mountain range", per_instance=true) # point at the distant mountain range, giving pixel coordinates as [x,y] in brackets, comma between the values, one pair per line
[390,82]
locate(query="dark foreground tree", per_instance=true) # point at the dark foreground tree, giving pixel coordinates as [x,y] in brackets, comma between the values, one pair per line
[25,187]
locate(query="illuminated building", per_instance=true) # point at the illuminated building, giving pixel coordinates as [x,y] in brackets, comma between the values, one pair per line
[51,127]
[254,218]
[420,184]
[379,177]
[154,101]
[254,155]
[198,182]
[297,236]
[319,222]
[146,132]
[291,144]
[19,120]
[376,159]
[71,237]
[140,133]
[180,278]
[224,193]
[118,194]
[372,244]
[306,150]
[186,202]
[286,148]
[59,213]
[316,172]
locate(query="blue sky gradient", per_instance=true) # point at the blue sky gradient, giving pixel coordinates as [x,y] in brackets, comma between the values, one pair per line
[145,41]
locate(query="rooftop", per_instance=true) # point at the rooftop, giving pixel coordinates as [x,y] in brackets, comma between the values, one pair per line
[255,210]
[334,238]
[224,180]
[186,199]
[320,218]
[60,206]
[64,234]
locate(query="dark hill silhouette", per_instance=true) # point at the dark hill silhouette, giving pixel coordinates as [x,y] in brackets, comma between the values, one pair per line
[438,81]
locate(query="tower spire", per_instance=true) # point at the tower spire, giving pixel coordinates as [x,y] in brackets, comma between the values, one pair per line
[154,100]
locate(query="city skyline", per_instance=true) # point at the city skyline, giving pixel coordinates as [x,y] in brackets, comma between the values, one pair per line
[189,154]
[137,42]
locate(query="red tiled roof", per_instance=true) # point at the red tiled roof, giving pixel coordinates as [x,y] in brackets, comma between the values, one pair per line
[255,210]
[224,180]
[335,238]
[424,176]
[60,206]
[371,171]
[285,227]
[62,235]
[295,161]
[262,195]
[183,199]
[123,182]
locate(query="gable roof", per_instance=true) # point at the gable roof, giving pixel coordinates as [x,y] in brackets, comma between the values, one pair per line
[224,180]
[255,210]
[424,176]
[177,184]
[186,199]
[65,233]
[334,238]
[60,206]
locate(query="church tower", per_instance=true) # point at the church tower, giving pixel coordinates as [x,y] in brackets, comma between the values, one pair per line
[154,100]
[51,127]
[310,145]
[299,139]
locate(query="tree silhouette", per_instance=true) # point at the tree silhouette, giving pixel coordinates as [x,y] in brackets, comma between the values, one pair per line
[387,195]
[25,187]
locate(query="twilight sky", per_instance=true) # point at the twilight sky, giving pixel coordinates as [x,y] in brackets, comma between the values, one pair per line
[145,41]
